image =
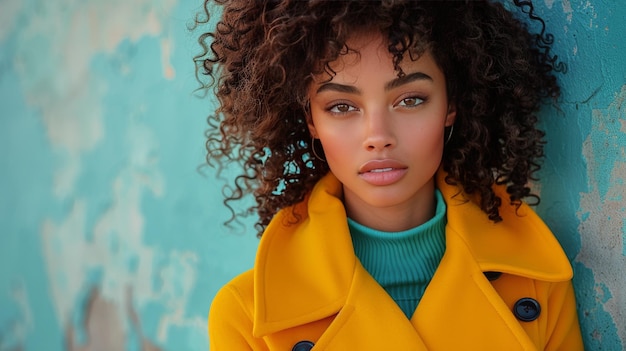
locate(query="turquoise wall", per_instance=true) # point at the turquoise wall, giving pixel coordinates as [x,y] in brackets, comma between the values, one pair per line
[584,177]
[111,235]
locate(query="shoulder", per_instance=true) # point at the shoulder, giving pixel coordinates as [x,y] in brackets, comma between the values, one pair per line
[234,298]
[231,316]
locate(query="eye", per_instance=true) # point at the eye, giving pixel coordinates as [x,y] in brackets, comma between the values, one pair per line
[411,101]
[341,108]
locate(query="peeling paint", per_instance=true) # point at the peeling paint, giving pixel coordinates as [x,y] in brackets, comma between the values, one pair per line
[602,214]
[15,332]
[567,10]
[72,107]
[103,325]
[8,16]
[117,247]
[166,52]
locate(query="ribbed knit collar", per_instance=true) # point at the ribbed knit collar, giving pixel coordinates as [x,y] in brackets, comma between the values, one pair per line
[400,258]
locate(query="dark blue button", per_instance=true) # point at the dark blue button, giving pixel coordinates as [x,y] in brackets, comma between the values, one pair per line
[492,275]
[304,345]
[527,309]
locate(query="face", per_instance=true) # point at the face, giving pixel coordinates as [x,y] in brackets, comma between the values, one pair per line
[383,136]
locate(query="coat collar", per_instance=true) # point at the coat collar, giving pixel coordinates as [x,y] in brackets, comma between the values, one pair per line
[313,238]
[521,244]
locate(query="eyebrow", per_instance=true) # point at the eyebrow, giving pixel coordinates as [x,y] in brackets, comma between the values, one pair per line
[350,89]
[407,79]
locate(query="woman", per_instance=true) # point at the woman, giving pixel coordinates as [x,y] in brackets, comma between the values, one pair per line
[388,145]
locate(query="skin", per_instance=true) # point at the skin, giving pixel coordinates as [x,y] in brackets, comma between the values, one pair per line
[383,136]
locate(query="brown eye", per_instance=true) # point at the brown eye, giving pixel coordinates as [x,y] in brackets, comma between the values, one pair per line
[341,108]
[411,101]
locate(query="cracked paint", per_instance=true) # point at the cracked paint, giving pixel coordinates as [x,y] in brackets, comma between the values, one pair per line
[102,324]
[72,107]
[602,213]
[117,250]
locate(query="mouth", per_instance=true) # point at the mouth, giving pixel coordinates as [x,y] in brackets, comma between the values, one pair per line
[382,172]
[381,166]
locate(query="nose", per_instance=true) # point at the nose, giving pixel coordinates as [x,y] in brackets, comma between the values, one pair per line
[379,131]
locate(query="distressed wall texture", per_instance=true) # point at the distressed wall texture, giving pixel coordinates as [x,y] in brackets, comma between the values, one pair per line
[111,235]
[584,178]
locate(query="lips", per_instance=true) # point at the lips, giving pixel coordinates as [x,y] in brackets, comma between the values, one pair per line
[382,172]
[379,166]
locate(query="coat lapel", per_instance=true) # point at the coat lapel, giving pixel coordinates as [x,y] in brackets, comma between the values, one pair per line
[458,299]
[305,262]
[370,320]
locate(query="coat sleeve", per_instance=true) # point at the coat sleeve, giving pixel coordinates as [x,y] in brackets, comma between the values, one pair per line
[230,322]
[563,320]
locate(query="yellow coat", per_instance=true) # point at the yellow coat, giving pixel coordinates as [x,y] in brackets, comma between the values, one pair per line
[307,284]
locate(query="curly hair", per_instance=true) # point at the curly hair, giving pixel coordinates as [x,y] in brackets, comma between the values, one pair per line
[262,54]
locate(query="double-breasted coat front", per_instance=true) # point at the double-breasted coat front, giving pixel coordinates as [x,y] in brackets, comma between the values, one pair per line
[499,286]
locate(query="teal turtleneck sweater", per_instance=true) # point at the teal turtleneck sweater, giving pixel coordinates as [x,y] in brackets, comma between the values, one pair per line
[403,263]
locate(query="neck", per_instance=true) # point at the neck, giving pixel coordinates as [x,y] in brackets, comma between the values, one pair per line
[396,218]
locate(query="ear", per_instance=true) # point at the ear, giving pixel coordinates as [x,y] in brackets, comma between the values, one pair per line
[451,116]
[311,126]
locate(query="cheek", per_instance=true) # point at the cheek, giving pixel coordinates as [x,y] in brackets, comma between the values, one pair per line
[424,139]
[336,138]
[337,145]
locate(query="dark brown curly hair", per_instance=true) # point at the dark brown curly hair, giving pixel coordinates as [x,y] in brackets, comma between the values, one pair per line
[262,54]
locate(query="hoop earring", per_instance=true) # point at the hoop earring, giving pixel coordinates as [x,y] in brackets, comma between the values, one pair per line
[449,134]
[314,152]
